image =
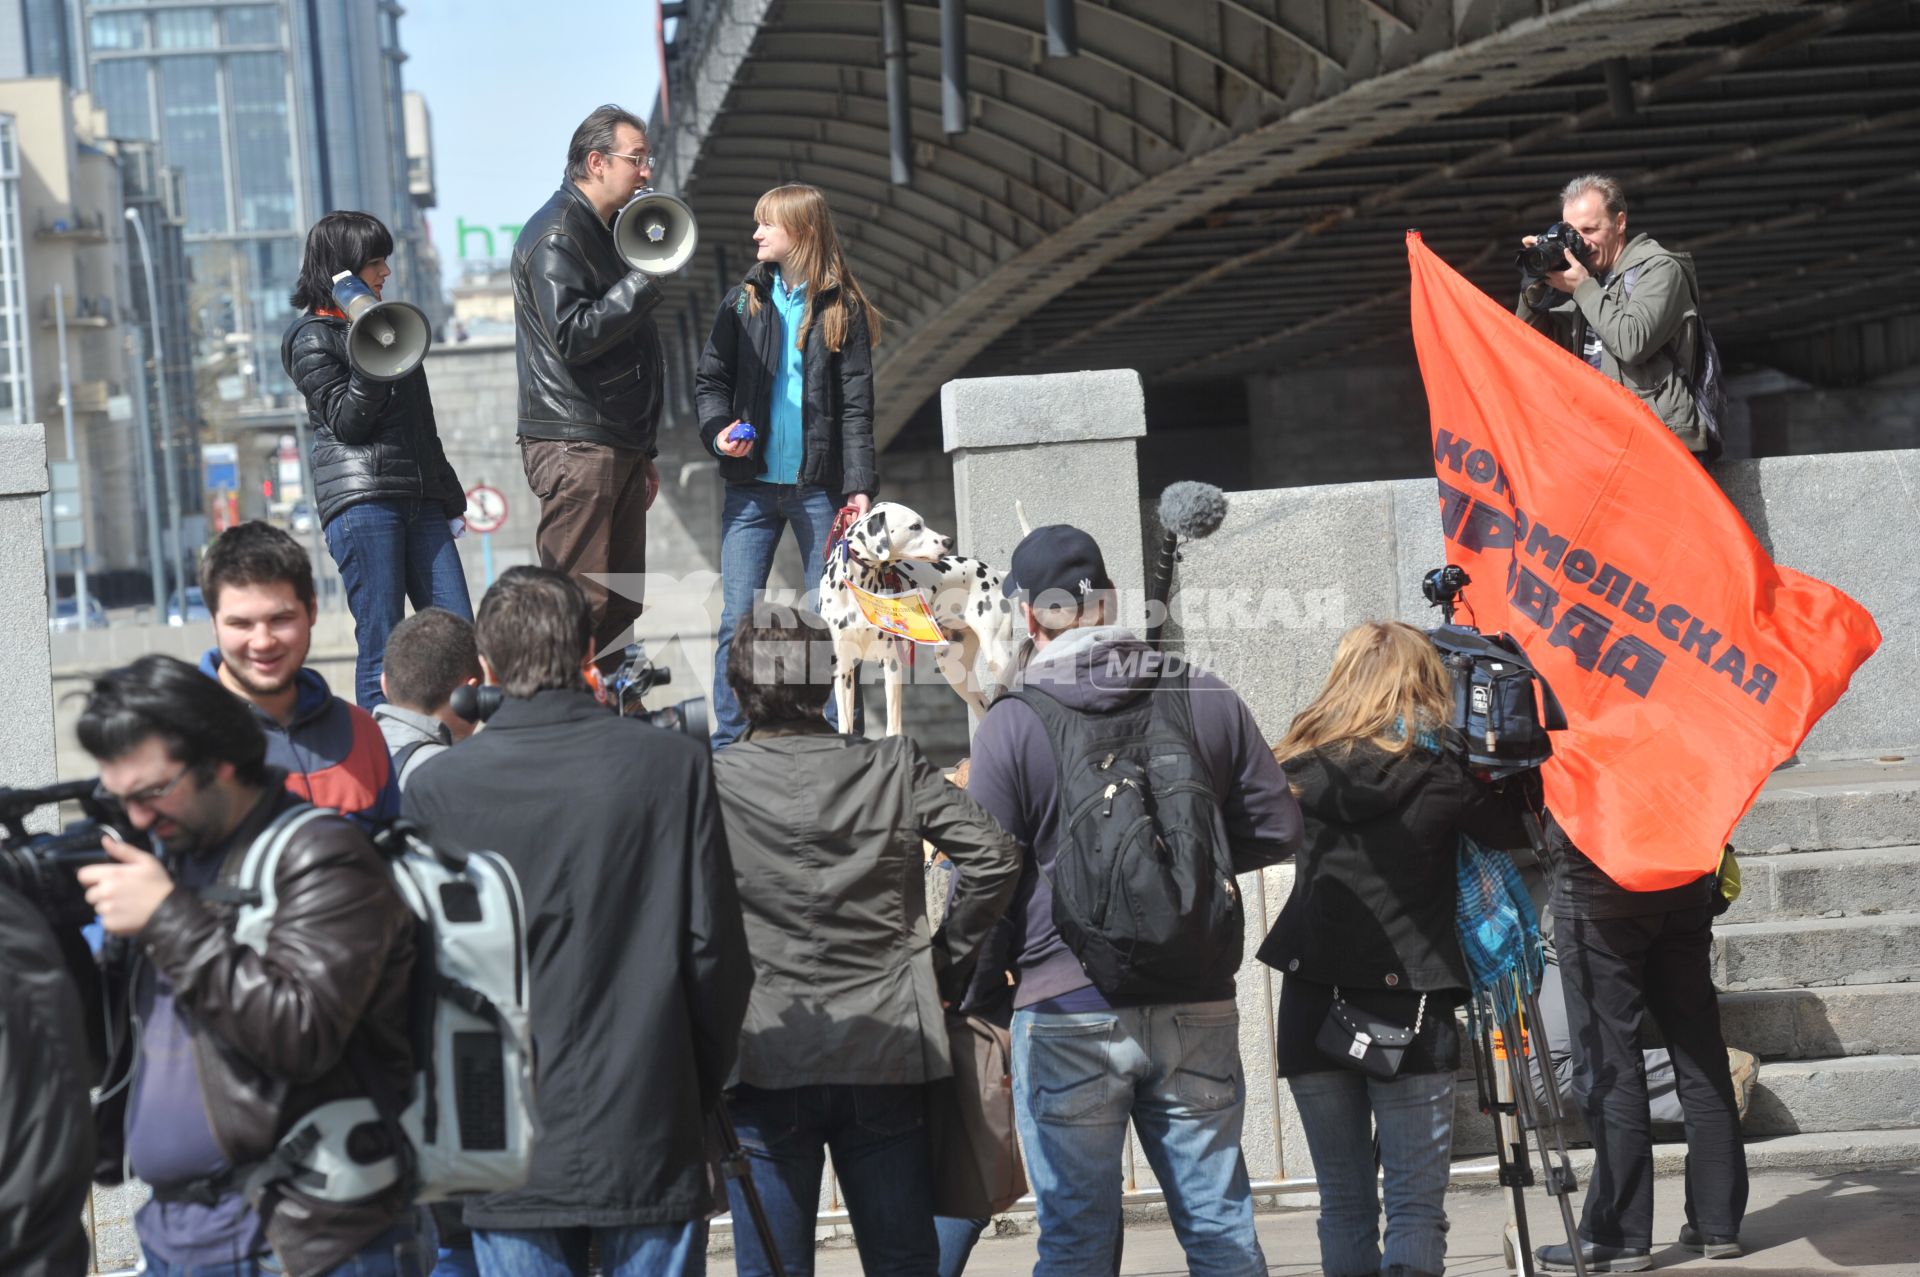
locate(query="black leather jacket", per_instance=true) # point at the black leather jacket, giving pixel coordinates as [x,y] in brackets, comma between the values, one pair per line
[591,366]
[735,383]
[372,440]
[272,1032]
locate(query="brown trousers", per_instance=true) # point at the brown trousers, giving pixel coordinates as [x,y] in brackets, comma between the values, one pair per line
[593,524]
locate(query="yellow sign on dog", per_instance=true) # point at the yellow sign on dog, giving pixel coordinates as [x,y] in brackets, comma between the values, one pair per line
[901,615]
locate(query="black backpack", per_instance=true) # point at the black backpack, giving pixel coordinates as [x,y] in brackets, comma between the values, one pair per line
[1142,879]
[1502,722]
[1696,356]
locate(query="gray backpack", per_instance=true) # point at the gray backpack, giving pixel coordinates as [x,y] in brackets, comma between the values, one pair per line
[467,1127]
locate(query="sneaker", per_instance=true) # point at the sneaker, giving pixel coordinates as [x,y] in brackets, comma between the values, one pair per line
[1744,1068]
[1712,1245]
[1599,1259]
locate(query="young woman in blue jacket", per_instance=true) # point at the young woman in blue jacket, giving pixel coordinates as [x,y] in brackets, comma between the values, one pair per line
[791,357]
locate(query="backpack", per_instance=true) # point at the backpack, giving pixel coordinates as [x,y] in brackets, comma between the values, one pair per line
[467,1127]
[1142,880]
[1496,713]
[1701,371]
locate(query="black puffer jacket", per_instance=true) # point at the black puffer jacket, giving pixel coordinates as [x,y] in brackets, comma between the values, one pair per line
[372,440]
[591,365]
[735,383]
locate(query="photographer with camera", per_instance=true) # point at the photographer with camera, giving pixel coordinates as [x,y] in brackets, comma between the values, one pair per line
[46,1123]
[239,1037]
[640,972]
[1628,307]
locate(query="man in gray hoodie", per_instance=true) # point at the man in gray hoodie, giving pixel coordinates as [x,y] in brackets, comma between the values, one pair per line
[428,656]
[1087,1062]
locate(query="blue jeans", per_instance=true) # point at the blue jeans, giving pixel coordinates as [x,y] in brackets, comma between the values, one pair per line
[751,521]
[1413,1114]
[957,1237]
[395,1253]
[668,1250]
[389,552]
[881,1156]
[1175,1071]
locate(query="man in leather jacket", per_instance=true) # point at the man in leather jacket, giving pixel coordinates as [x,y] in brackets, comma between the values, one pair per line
[231,1046]
[591,373]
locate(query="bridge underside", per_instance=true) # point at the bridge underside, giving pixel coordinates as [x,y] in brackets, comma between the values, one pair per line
[1218,188]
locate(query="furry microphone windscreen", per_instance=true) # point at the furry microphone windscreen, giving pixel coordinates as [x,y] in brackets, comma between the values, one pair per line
[1192,510]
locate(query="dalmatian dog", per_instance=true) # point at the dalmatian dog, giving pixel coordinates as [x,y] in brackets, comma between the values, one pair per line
[891,550]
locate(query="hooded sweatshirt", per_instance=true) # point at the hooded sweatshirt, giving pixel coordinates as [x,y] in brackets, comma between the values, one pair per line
[1014,776]
[332,751]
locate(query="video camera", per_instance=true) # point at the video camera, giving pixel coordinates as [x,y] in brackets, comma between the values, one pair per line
[41,867]
[634,679]
[1499,721]
[1549,252]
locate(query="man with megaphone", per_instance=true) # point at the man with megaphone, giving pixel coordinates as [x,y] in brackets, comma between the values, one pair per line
[591,371]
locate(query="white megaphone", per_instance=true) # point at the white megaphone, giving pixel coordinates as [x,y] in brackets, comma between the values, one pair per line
[656,232]
[386,340]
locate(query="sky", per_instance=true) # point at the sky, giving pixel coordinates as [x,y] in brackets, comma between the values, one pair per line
[505,83]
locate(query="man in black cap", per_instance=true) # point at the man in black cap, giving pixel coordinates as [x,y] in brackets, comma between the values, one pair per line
[1100,754]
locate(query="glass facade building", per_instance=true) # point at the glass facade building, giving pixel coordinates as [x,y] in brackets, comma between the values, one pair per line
[16,368]
[273,113]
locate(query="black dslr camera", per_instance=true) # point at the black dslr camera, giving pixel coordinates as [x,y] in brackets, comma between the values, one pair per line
[41,867]
[634,679]
[1549,253]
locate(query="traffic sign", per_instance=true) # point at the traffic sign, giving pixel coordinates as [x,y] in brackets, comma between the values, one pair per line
[486,508]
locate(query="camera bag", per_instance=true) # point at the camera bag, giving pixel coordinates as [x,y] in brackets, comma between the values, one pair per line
[467,1126]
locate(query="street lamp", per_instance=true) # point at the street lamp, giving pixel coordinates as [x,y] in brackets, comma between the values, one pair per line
[160,384]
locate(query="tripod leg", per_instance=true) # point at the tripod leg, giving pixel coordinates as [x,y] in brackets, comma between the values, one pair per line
[1556,1166]
[735,1166]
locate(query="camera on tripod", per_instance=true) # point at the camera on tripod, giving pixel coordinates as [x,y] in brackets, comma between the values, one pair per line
[1503,710]
[41,867]
[1549,252]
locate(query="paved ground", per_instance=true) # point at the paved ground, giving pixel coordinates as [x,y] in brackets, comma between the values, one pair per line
[1797,1223]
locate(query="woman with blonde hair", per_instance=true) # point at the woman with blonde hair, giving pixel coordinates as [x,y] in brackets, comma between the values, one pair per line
[785,397]
[1372,967]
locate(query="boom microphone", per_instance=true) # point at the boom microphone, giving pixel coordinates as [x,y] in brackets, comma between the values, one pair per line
[385,340]
[1188,512]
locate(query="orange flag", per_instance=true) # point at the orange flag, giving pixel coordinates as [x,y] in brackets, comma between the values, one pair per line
[1689,663]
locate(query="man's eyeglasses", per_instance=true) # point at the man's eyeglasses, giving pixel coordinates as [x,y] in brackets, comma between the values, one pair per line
[142,797]
[638,161]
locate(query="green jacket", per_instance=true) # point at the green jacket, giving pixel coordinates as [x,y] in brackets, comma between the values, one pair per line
[1646,340]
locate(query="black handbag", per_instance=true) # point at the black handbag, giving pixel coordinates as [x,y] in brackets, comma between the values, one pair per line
[1361,1040]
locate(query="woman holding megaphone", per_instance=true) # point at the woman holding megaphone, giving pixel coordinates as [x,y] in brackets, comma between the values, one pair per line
[785,396]
[389,503]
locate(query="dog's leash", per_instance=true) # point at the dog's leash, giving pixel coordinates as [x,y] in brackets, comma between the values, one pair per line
[837,535]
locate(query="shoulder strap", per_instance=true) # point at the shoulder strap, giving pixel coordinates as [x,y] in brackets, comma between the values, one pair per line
[254,889]
[404,755]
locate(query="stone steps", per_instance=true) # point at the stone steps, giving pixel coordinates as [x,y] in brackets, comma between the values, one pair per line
[1857,1093]
[1817,952]
[1828,884]
[1812,1024]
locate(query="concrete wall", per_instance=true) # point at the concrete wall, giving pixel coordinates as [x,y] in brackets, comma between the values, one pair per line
[26,703]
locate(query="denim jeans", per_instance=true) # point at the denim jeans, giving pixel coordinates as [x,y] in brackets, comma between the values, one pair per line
[1413,1114]
[881,1157]
[668,1250]
[957,1237]
[1174,1070]
[395,1253]
[751,521]
[389,552]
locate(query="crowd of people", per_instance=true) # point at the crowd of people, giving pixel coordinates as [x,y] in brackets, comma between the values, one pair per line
[740,926]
